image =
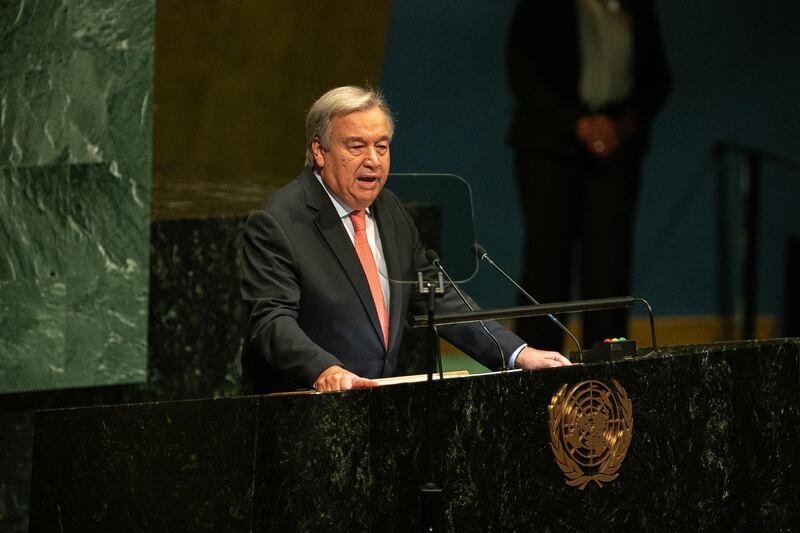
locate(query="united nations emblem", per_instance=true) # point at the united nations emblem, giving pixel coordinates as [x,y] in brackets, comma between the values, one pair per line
[590,431]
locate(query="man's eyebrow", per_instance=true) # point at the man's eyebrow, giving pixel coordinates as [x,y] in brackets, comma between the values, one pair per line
[356,138]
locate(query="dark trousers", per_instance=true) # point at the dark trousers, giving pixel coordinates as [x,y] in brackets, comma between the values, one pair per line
[584,206]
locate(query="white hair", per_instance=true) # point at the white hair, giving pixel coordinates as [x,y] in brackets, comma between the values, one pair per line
[337,102]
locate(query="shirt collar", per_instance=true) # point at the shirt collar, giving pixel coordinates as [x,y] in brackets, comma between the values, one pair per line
[342,208]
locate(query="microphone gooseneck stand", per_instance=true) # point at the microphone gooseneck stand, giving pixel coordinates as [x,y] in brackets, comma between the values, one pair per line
[431,512]
[483,255]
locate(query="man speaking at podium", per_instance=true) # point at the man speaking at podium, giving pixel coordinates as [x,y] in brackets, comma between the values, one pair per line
[318,258]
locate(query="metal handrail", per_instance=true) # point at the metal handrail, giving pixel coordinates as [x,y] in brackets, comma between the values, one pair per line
[576,306]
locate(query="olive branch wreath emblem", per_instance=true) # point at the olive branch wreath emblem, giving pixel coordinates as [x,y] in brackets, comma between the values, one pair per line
[590,430]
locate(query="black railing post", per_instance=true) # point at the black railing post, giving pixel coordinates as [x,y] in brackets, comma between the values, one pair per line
[726,313]
[750,244]
[754,159]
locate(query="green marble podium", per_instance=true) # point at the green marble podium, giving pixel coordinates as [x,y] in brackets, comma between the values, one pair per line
[714,446]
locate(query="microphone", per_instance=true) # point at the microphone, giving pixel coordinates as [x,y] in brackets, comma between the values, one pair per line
[483,255]
[433,257]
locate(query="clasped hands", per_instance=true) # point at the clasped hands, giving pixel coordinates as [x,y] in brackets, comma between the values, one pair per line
[602,134]
[336,378]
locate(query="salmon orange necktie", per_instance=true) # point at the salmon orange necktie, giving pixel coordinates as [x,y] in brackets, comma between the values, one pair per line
[358,218]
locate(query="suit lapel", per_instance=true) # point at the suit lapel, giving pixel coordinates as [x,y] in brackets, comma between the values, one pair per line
[330,226]
[391,253]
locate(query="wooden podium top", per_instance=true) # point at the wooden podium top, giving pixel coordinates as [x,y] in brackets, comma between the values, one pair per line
[415,378]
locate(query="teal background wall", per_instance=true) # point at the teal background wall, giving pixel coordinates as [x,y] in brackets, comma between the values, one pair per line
[735,76]
[75,167]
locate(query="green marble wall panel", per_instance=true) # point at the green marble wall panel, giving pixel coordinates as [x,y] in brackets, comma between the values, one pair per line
[32,330]
[73,283]
[76,82]
[76,87]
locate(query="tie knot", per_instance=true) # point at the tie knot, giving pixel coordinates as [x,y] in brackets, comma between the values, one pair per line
[358,218]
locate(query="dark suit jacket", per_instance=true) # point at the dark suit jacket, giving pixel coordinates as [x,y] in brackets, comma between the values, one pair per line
[544,72]
[308,300]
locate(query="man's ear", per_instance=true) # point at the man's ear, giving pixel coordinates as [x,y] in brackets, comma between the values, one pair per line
[319,153]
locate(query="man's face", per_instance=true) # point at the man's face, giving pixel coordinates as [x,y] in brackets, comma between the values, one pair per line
[356,165]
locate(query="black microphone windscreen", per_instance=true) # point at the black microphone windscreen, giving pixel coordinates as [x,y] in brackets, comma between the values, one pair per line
[432,256]
[480,250]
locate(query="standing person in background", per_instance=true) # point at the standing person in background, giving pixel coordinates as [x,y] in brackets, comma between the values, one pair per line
[588,77]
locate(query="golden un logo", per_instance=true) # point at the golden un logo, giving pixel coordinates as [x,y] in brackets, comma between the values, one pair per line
[590,431]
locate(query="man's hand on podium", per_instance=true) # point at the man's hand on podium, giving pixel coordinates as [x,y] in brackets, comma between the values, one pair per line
[336,378]
[530,358]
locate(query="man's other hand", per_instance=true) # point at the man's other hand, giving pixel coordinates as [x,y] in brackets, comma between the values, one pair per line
[336,378]
[530,358]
